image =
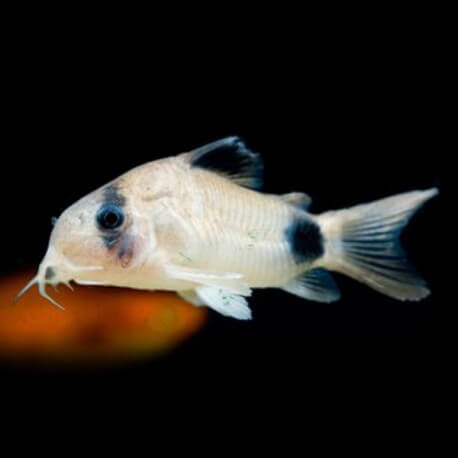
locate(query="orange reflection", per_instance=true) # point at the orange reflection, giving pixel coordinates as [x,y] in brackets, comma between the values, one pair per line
[98,325]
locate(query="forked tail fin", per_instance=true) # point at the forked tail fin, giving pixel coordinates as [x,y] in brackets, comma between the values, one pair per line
[363,243]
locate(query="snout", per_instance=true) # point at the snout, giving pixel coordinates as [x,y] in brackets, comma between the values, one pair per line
[53,274]
[52,269]
[50,273]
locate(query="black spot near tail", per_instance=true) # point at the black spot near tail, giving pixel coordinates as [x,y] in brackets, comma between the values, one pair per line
[305,239]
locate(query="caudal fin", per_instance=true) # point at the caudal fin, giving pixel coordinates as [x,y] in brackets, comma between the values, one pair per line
[363,243]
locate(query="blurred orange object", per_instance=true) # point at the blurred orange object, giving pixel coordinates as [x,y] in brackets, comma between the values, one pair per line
[99,324]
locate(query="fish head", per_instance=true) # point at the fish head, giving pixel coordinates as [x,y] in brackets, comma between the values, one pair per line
[95,240]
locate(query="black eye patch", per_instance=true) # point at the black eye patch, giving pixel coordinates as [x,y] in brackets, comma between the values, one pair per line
[109,217]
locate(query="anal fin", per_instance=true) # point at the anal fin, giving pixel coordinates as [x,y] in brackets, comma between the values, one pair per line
[315,285]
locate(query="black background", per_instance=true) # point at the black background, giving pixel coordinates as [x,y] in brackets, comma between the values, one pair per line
[346,116]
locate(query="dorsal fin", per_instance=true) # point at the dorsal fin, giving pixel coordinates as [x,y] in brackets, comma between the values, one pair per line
[231,158]
[298,199]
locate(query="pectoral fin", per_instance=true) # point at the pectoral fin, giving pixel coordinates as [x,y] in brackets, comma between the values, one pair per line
[224,302]
[191,297]
[228,280]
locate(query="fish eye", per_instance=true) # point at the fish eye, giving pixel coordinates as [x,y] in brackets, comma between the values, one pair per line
[110,217]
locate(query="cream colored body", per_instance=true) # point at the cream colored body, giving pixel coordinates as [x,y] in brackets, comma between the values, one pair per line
[190,224]
[197,219]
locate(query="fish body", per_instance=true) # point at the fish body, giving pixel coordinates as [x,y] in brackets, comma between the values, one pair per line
[198,224]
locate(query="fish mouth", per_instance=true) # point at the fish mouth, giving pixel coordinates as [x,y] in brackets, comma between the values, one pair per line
[42,281]
[49,274]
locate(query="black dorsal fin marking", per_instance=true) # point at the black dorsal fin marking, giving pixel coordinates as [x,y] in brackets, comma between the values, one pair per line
[298,199]
[231,158]
[305,239]
[315,285]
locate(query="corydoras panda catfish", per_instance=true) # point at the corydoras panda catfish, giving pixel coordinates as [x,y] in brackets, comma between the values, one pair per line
[198,225]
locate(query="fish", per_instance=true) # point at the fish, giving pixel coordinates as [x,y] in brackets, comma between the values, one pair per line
[199,224]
